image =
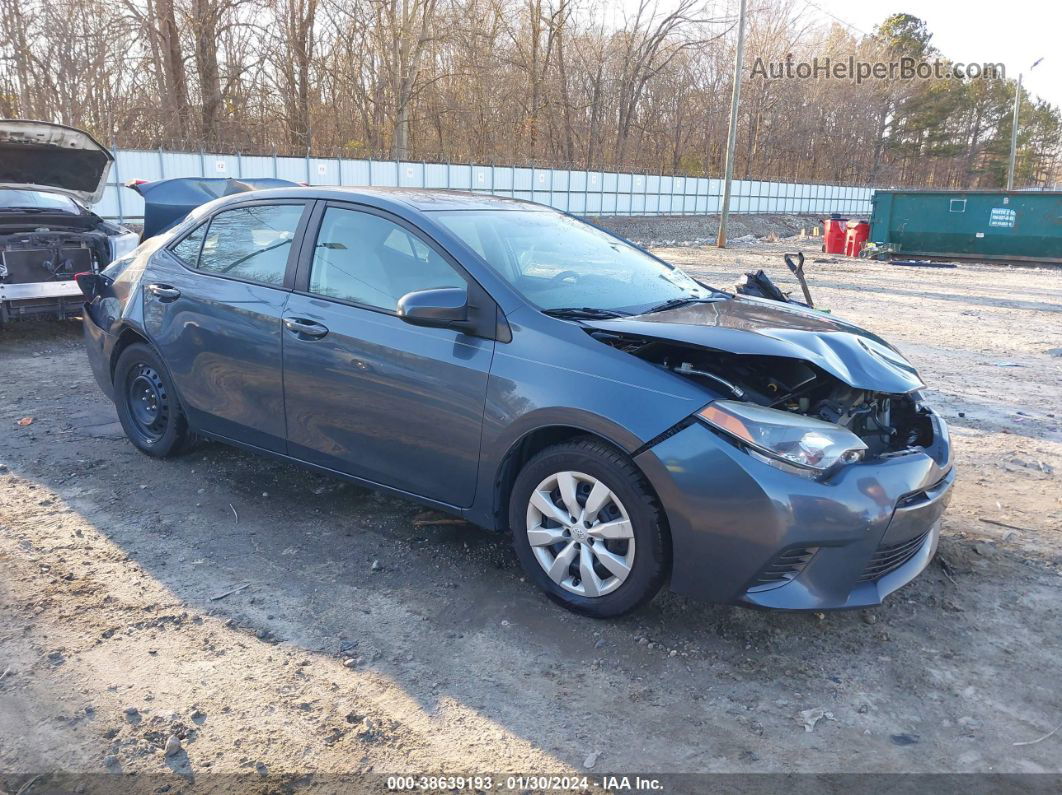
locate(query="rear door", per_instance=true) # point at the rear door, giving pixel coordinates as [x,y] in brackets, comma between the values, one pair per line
[365,392]
[213,303]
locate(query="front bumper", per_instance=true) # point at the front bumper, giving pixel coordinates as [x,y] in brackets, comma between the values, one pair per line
[745,532]
[30,300]
[99,346]
[30,290]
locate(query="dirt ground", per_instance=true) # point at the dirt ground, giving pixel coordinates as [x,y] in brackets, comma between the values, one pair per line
[279,622]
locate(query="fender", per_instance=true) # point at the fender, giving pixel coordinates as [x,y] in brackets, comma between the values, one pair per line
[497,448]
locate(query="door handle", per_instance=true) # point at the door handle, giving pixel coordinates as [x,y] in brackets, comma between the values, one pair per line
[304,328]
[164,292]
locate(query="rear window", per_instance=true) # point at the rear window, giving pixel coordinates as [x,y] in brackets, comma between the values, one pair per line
[251,243]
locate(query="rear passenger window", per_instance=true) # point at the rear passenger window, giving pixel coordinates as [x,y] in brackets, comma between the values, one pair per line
[251,243]
[188,249]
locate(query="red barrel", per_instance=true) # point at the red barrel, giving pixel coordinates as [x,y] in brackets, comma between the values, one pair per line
[857,234]
[833,235]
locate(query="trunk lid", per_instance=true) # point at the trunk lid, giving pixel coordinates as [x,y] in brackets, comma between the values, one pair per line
[38,154]
[168,201]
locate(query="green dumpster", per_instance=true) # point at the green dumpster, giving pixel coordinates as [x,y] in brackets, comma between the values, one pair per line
[990,225]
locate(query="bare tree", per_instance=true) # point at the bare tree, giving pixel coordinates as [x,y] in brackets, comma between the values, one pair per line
[560,82]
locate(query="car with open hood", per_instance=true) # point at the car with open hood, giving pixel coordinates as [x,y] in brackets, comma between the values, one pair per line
[535,375]
[49,177]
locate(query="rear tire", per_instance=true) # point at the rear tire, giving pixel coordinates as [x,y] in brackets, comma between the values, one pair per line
[598,543]
[147,404]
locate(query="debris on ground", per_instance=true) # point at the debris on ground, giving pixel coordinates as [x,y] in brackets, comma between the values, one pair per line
[229,592]
[904,739]
[1047,736]
[797,269]
[744,240]
[810,717]
[759,285]
[173,745]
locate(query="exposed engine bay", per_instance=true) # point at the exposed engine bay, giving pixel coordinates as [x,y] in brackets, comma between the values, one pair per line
[887,424]
[45,255]
[50,175]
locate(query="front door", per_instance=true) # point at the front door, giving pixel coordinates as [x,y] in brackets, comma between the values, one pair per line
[365,392]
[212,306]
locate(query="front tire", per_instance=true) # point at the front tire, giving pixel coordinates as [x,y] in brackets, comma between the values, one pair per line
[588,529]
[147,403]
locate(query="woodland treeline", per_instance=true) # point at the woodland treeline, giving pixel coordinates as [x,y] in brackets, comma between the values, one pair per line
[641,86]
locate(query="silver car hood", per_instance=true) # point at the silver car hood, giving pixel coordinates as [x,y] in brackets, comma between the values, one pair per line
[45,156]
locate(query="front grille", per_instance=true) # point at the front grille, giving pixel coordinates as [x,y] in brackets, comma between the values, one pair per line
[889,558]
[784,566]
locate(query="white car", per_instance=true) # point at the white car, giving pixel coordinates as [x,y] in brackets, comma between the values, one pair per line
[49,176]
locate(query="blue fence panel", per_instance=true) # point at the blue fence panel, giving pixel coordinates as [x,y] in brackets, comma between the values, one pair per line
[575,191]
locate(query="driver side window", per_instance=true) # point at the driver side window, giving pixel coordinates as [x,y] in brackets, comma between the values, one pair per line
[366,259]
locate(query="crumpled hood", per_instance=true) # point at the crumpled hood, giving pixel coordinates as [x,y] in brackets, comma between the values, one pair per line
[38,154]
[759,327]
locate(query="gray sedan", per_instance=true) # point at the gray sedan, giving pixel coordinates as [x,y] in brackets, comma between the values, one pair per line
[538,376]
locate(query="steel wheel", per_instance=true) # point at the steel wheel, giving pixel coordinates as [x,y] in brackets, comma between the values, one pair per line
[147,401]
[580,534]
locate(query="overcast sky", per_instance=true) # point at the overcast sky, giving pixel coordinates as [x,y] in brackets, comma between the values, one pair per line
[1014,32]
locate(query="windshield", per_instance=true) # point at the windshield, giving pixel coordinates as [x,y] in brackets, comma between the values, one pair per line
[37,200]
[558,262]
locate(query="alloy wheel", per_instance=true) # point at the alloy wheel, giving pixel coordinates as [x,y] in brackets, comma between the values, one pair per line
[580,533]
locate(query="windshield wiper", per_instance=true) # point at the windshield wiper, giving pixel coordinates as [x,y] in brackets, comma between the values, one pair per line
[585,313]
[674,303]
[11,209]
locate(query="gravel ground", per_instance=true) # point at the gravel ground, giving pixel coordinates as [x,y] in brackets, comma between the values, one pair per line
[262,620]
[698,230]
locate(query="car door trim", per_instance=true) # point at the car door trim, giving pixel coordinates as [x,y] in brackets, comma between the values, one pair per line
[367,482]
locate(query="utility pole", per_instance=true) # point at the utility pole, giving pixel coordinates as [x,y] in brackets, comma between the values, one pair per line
[1014,128]
[731,138]
[1014,135]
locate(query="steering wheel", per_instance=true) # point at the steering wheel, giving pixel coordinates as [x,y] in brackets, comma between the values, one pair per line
[559,277]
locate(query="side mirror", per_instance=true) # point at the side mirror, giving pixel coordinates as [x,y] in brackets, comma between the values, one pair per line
[446,307]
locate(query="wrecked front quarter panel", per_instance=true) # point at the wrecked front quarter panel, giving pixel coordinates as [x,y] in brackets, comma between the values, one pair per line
[755,327]
[118,307]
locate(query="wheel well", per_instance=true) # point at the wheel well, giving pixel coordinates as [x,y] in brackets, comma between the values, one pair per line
[524,450]
[125,339]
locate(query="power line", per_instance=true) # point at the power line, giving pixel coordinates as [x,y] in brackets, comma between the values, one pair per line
[835,18]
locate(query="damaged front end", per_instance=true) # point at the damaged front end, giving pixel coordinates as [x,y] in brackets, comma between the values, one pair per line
[888,424]
[48,174]
[787,360]
[39,257]
[812,477]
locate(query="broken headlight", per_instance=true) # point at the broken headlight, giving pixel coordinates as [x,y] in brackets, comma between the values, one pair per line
[811,446]
[124,243]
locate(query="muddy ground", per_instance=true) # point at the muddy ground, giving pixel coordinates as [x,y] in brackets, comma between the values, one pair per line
[279,622]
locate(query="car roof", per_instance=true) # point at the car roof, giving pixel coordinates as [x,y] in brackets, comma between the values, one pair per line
[422,199]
